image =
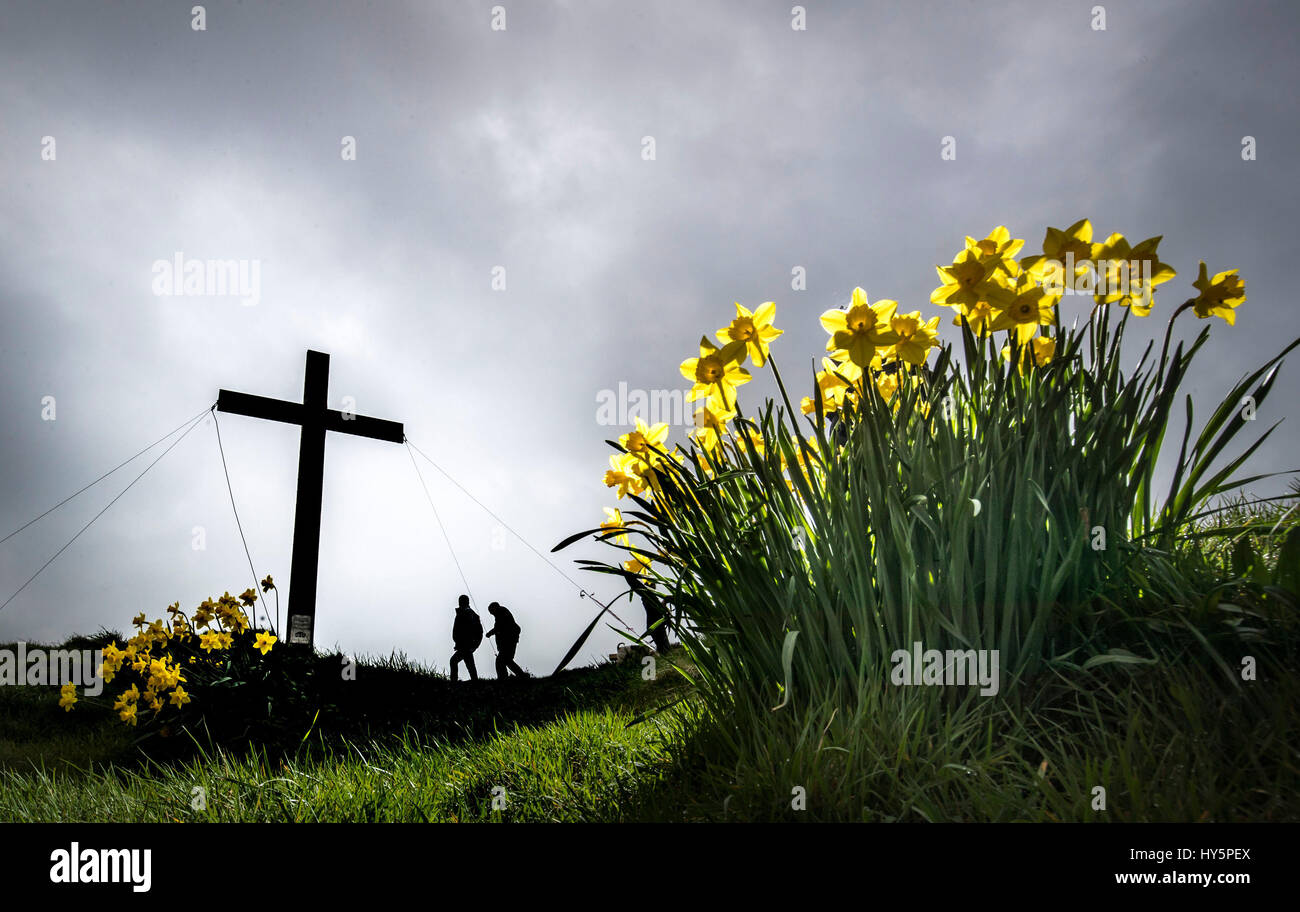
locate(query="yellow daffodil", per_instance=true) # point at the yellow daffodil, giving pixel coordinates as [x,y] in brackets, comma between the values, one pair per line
[978,316]
[998,248]
[1042,349]
[1218,296]
[68,696]
[639,563]
[138,620]
[113,658]
[613,519]
[204,613]
[622,476]
[646,478]
[614,523]
[915,336]
[1059,248]
[1131,273]
[1024,308]
[887,385]
[648,474]
[966,282]
[127,714]
[835,379]
[1035,353]
[264,641]
[710,425]
[209,641]
[249,597]
[832,390]
[179,697]
[754,331]
[839,363]
[715,373]
[157,673]
[268,583]
[643,441]
[862,329]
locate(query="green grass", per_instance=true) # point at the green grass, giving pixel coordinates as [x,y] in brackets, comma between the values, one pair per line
[585,766]
[1165,744]
[560,748]
[37,732]
[387,696]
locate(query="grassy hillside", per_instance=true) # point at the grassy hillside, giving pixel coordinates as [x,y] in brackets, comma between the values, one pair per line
[1167,744]
[398,743]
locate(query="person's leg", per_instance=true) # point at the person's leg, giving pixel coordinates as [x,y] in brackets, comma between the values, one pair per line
[469,663]
[501,666]
[507,658]
[455,661]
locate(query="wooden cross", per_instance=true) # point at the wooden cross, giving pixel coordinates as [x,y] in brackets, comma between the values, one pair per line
[315,419]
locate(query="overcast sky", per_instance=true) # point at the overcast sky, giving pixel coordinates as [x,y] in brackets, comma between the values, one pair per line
[523,148]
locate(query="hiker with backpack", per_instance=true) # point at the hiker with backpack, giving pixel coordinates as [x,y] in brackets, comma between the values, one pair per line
[466,634]
[507,634]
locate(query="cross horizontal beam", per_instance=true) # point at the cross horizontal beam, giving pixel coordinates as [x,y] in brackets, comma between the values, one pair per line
[294,413]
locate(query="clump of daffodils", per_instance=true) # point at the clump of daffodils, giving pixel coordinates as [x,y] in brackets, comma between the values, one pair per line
[166,654]
[874,349]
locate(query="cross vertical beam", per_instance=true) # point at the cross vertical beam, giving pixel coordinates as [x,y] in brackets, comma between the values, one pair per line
[315,418]
[311,486]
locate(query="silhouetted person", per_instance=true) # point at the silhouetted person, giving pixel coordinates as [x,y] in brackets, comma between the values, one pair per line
[655,613]
[507,634]
[467,634]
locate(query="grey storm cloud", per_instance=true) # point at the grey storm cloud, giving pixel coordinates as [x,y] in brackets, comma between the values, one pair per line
[522,149]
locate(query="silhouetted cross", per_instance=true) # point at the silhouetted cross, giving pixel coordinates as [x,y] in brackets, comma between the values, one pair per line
[315,419]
